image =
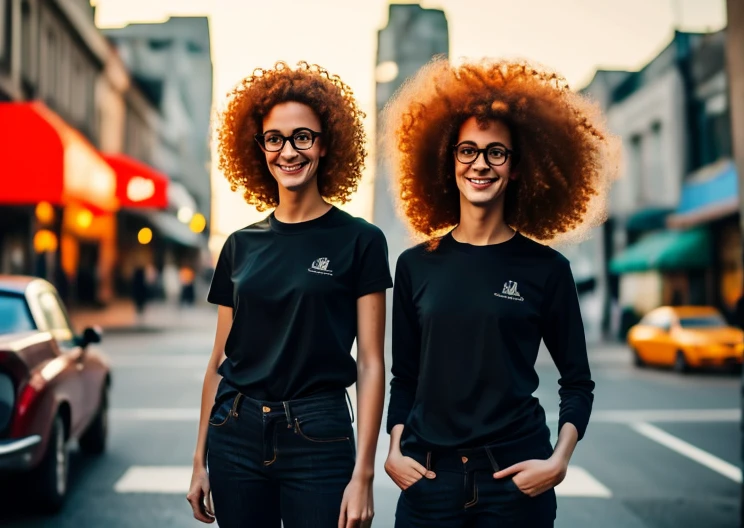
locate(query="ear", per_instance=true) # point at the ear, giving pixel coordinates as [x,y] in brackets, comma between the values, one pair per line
[513,175]
[323,148]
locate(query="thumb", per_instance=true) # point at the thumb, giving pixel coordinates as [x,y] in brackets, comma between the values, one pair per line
[511,470]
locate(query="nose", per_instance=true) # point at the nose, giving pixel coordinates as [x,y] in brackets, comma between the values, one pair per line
[479,163]
[288,150]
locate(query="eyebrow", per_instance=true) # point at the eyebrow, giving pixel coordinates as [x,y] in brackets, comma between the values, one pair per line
[293,132]
[495,143]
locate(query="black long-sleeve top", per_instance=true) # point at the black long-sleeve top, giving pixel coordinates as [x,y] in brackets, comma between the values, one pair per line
[467,324]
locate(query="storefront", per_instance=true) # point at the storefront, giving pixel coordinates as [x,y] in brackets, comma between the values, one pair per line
[58,203]
[710,198]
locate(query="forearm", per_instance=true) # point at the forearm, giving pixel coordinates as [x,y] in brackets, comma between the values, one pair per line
[395,434]
[370,400]
[568,437]
[209,391]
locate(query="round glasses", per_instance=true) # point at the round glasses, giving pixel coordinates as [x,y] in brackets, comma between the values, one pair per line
[301,139]
[495,154]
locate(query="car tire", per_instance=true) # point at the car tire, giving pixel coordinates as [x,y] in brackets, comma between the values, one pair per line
[637,359]
[50,479]
[93,440]
[680,363]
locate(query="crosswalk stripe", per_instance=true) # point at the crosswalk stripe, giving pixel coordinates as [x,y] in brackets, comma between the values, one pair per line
[690,451]
[176,479]
[579,483]
[155,479]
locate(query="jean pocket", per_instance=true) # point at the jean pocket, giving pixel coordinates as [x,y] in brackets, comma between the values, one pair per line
[332,426]
[414,486]
[510,484]
[223,411]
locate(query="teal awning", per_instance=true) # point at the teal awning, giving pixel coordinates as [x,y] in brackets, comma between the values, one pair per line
[665,251]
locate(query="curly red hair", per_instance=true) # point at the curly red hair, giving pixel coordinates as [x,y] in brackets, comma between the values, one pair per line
[565,157]
[242,161]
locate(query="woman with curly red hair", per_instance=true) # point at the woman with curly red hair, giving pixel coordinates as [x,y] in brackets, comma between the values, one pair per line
[488,156]
[275,442]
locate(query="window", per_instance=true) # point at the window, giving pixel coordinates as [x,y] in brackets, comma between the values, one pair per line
[715,129]
[55,318]
[27,43]
[703,321]
[6,25]
[635,169]
[159,44]
[14,315]
[655,181]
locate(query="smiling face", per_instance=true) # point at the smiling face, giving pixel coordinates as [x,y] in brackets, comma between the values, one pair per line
[293,169]
[479,183]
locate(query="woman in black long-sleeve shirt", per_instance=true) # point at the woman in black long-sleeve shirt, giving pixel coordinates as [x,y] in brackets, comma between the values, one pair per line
[489,156]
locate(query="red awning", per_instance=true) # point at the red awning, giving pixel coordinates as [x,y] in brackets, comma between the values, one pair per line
[42,158]
[138,184]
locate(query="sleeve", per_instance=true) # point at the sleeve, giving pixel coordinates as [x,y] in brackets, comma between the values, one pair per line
[406,349]
[563,333]
[221,289]
[373,273]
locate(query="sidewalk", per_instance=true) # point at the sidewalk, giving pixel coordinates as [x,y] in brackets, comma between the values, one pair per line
[159,316]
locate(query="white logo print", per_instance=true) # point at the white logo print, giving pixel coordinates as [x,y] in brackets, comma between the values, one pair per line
[320,266]
[510,292]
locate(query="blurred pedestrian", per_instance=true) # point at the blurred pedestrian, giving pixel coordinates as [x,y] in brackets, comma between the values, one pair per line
[186,277]
[489,156]
[140,290]
[294,291]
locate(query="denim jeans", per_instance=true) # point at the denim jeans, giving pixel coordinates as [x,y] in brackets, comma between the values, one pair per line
[464,494]
[274,462]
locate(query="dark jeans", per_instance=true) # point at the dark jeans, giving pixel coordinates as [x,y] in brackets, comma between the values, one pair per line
[272,462]
[464,494]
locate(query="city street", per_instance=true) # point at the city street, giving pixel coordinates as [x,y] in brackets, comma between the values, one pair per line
[661,449]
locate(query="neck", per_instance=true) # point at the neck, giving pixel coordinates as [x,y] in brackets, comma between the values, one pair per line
[482,226]
[300,206]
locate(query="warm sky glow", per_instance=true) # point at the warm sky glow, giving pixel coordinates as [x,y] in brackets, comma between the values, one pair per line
[572,36]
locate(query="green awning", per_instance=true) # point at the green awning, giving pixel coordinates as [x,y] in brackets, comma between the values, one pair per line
[665,251]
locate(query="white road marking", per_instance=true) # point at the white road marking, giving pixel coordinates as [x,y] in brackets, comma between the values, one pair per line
[154,360]
[155,479]
[156,415]
[661,415]
[579,483]
[690,451]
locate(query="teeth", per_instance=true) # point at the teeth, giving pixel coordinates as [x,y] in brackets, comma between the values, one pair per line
[481,180]
[290,167]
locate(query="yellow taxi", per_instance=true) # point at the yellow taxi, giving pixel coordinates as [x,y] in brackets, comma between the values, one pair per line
[685,337]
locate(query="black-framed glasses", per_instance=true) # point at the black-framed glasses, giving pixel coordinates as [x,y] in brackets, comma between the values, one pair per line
[495,154]
[301,139]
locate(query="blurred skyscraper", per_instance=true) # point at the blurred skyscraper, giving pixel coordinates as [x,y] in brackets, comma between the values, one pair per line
[172,61]
[412,37]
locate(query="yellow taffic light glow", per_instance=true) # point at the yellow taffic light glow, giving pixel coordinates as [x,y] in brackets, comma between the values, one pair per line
[45,213]
[198,223]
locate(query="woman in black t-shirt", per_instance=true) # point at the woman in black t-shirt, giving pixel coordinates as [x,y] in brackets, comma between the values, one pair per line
[295,290]
[487,156]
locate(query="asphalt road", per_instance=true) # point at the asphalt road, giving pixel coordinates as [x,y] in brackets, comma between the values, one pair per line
[661,450]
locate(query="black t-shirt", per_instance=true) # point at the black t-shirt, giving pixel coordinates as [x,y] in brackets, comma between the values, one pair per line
[467,325]
[293,289]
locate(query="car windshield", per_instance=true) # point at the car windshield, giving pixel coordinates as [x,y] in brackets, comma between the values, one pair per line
[704,321]
[14,314]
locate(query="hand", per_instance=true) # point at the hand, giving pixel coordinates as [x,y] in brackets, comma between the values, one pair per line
[405,471]
[357,505]
[534,477]
[199,497]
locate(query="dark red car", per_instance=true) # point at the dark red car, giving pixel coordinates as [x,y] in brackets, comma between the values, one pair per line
[53,389]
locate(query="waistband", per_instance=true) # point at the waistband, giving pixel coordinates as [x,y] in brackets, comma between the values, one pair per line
[487,457]
[313,402]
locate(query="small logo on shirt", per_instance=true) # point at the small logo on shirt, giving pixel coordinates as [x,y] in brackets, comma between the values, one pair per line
[510,292]
[320,266]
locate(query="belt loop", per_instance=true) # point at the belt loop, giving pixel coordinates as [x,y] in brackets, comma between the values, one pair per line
[287,412]
[494,465]
[351,407]
[428,461]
